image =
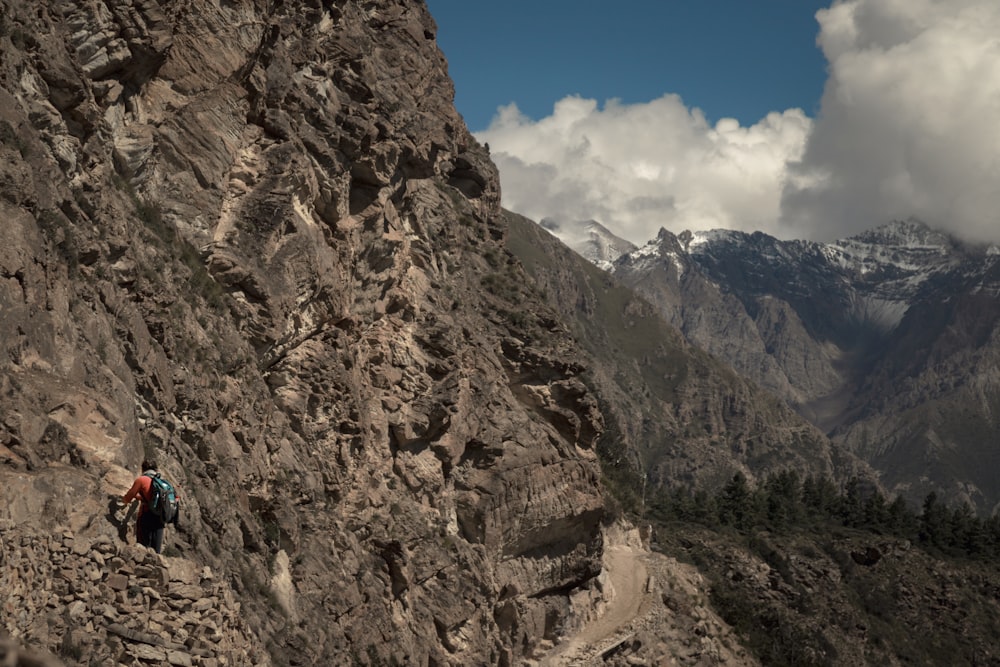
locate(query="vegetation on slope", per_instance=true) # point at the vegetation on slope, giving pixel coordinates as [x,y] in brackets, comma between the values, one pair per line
[812,574]
[810,564]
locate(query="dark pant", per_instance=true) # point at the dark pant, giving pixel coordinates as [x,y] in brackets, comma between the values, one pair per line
[149,531]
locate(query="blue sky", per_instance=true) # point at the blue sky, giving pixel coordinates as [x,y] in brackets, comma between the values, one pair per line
[735,58]
[799,118]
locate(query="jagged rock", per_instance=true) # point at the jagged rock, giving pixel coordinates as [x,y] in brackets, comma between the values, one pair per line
[869,557]
[117,598]
[253,242]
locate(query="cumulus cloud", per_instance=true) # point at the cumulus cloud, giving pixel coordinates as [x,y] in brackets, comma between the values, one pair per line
[909,126]
[909,123]
[636,168]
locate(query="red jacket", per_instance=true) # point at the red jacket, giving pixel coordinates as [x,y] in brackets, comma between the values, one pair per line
[141,490]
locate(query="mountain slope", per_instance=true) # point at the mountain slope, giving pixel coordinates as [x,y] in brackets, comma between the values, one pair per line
[682,415]
[256,241]
[882,340]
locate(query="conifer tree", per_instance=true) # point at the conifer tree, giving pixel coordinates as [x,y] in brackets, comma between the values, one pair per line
[733,502]
[935,523]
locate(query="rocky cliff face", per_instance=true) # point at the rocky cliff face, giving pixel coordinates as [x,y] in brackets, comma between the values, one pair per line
[256,240]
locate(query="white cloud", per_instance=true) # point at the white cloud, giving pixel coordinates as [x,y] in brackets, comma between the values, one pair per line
[640,167]
[910,120]
[909,126]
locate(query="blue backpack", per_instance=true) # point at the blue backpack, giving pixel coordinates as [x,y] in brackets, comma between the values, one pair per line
[162,500]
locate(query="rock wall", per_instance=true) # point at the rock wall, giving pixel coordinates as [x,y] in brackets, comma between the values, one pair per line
[98,601]
[255,240]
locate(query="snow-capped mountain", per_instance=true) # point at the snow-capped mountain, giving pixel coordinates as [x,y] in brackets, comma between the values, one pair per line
[882,339]
[591,240]
[875,275]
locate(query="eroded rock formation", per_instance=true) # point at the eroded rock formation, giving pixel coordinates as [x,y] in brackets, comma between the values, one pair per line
[256,240]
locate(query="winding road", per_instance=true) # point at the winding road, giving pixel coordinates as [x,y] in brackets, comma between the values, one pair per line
[627,573]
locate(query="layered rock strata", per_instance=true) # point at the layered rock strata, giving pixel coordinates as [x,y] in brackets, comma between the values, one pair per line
[255,240]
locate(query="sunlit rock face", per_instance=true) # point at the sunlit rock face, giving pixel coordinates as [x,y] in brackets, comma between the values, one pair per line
[257,241]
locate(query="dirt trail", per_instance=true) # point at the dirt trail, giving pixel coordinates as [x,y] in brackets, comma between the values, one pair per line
[627,572]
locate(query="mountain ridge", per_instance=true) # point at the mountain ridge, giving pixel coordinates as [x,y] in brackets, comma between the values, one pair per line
[856,334]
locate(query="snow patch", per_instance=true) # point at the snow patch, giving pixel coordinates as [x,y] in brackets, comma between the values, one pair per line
[885,314]
[693,240]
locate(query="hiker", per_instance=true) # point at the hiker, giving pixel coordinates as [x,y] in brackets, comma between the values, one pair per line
[150,523]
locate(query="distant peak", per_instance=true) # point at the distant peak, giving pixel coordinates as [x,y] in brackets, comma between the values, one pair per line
[594,226]
[691,240]
[595,242]
[904,233]
[666,234]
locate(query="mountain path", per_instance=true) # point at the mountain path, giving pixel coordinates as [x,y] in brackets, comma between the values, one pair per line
[629,578]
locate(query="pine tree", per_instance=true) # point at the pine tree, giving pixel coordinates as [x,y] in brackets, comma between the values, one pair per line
[734,502]
[852,510]
[901,521]
[935,523]
[820,497]
[967,532]
[782,500]
[876,512]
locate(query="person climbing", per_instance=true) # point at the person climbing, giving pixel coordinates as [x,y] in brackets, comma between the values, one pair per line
[158,506]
